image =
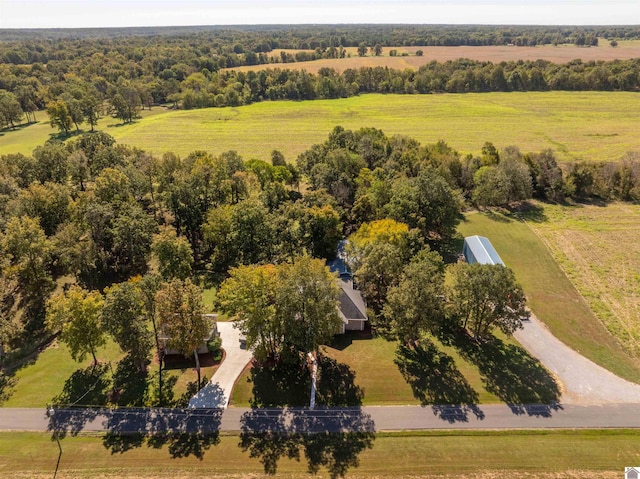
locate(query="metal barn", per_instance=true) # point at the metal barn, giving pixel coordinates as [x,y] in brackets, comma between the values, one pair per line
[478,249]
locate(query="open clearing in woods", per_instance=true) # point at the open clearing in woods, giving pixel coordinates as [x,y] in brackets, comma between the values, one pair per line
[577,125]
[597,247]
[442,454]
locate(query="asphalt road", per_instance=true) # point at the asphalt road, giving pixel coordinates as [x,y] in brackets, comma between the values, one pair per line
[373,418]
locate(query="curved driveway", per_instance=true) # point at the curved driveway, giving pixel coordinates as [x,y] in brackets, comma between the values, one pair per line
[216,394]
[583,381]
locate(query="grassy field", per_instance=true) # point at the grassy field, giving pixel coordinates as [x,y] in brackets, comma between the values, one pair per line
[479,455]
[577,125]
[53,373]
[558,54]
[597,246]
[552,296]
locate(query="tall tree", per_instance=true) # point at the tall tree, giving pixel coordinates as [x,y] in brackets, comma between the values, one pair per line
[180,318]
[415,304]
[248,295]
[307,295]
[377,269]
[123,317]
[484,297]
[10,110]
[76,314]
[28,252]
[59,116]
[174,254]
[426,202]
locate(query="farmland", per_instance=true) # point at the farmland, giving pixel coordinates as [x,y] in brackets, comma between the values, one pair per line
[577,125]
[496,54]
[597,247]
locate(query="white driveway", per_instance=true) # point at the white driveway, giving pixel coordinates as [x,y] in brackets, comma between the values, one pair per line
[583,381]
[216,394]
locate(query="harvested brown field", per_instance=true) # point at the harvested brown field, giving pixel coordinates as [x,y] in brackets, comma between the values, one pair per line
[496,54]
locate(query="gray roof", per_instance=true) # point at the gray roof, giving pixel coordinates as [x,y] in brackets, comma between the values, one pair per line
[483,250]
[351,303]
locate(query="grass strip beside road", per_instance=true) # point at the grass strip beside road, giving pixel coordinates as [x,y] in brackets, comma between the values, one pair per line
[552,296]
[481,454]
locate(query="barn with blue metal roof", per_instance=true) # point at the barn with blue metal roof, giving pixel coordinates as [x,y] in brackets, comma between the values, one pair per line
[478,249]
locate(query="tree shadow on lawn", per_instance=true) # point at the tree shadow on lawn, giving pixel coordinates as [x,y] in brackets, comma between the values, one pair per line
[511,373]
[436,381]
[331,436]
[130,384]
[186,431]
[79,402]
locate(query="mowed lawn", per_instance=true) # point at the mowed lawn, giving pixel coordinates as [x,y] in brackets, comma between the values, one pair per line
[552,296]
[577,125]
[373,361]
[39,380]
[480,454]
[597,246]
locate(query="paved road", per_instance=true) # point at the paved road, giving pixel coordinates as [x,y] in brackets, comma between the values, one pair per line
[374,418]
[216,394]
[583,381]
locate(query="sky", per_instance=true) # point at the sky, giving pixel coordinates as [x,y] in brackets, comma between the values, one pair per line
[125,13]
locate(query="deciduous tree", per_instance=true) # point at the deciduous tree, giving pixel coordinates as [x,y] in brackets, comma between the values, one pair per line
[307,297]
[123,317]
[484,297]
[249,297]
[180,311]
[76,314]
[174,254]
[415,304]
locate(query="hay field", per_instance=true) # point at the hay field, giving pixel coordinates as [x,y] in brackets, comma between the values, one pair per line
[597,246]
[577,125]
[558,54]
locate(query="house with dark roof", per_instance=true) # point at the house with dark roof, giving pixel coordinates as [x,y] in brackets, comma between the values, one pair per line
[351,304]
[478,249]
[352,308]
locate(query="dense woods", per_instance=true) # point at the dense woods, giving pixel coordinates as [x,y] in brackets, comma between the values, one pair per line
[79,75]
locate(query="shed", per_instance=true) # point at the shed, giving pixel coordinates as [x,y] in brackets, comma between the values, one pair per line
[478,249]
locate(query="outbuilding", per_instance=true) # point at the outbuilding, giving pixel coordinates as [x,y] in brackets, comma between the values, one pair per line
[478,249]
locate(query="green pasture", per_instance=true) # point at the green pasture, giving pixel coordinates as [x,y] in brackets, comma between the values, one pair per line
[444,454]
[577,125]
[551,295]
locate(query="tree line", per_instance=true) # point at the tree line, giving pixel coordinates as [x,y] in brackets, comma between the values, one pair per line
[74,102]
[81,77]
[42,45]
